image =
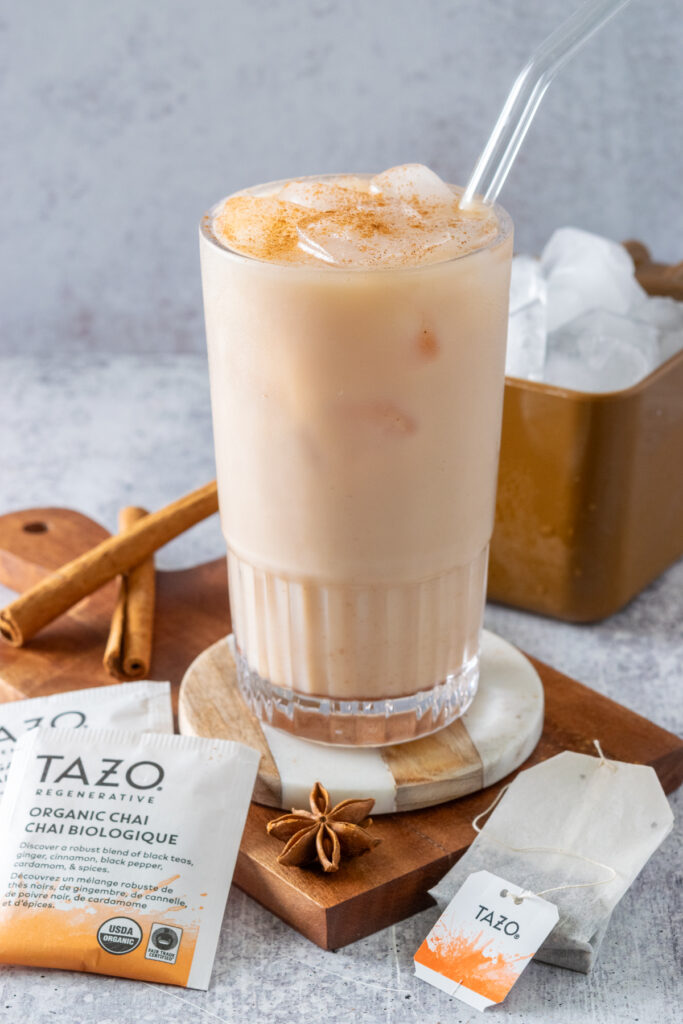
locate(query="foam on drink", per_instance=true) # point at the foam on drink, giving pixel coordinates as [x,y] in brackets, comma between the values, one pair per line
[406,216]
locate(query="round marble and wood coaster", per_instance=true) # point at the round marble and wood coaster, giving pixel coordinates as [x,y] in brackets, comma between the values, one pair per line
[497,733]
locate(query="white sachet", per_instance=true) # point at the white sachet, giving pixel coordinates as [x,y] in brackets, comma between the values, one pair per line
[576,829]
[140,706]
[118,850]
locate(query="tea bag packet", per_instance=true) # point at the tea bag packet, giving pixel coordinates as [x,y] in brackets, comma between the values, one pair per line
[140,706]
[575,830]
[118,851]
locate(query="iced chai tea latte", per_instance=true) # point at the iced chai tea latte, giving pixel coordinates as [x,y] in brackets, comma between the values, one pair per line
[356,331]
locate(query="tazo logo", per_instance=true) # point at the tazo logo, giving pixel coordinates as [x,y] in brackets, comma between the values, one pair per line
[503,924]
[6,736]
[140,775]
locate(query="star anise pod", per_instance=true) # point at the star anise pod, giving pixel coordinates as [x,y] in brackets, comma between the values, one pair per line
[324,834]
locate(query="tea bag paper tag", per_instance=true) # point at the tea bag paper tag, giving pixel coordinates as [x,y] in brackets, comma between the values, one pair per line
[484,939]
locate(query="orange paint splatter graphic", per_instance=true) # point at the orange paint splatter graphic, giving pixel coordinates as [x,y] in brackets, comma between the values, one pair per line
[67,938]
[471,962]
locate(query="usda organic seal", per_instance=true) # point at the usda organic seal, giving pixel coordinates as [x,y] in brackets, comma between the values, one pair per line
[119,935]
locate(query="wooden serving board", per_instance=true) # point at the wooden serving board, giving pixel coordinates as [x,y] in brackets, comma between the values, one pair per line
[418,847]
[191,609]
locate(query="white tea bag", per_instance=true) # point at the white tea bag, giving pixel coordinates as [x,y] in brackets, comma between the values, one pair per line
[577,830]
[140,706]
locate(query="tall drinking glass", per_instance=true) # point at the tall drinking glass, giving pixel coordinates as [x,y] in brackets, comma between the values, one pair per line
[357,416]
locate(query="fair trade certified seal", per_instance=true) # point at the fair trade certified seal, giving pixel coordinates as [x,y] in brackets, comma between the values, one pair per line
[119,935]
[164,941]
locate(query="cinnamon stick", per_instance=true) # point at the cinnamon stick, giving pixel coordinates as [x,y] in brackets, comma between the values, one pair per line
[54,595]
[129,648]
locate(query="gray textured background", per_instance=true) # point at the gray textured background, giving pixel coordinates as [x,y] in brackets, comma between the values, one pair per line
[120,123]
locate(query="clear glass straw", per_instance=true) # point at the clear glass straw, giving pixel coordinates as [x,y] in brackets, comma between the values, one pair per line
[526,94]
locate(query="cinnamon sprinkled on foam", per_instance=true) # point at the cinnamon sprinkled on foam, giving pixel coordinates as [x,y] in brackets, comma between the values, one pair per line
[403,217]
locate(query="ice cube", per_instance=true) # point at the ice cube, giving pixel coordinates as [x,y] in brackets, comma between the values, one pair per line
[314,248]
[245,222]
[526,344]
[413,183]
[670,342]
[583,272]
[342,246]
[662,312]
[314,195]
[345,245]
[667,316]
[601,351]
[527,283]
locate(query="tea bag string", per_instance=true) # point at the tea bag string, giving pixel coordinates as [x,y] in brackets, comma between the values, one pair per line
[550,849]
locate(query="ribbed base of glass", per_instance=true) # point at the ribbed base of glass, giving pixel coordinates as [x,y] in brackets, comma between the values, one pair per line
[356,723]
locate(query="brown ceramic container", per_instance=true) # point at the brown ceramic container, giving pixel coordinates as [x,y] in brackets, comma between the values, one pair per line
[590,492]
